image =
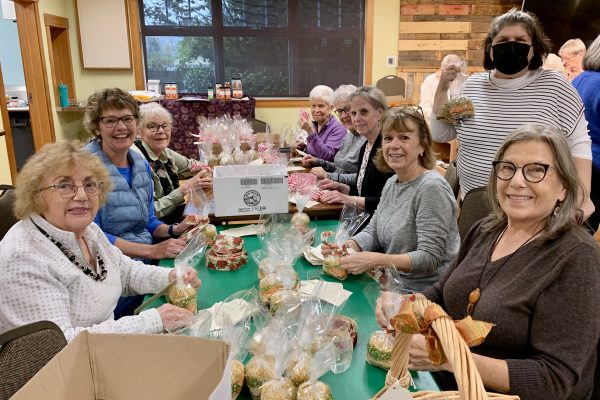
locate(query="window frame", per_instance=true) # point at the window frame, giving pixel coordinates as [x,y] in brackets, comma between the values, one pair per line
[293,31]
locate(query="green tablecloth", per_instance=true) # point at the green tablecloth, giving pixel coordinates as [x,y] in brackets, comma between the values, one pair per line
[361,380]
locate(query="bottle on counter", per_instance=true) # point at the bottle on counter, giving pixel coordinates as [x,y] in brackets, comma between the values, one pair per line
[236,88]
[210,93]
[227,91]
[171,90]
[219,91]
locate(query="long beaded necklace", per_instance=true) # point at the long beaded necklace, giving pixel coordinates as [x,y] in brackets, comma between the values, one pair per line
[86,270]
[475,294]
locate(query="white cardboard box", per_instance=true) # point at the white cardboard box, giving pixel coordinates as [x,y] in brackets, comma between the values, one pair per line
[125,367]
[250,189]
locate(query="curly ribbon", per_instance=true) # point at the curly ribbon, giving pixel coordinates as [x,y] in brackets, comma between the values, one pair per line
[406,321]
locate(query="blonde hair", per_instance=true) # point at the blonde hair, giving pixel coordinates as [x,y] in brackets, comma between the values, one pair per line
[572,47]
[566,213]
[50,160]
[395,120]
[106,99]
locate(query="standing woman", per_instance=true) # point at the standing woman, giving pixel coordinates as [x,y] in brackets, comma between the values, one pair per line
[167,165]
[513,91]
[588,86]
[345,162]
[367,107]
[325,132]
[413,231]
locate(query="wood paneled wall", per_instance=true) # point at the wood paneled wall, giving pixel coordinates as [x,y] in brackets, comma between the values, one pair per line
[431,29]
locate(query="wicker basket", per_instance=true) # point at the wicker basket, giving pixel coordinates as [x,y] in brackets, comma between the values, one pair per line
[470,386]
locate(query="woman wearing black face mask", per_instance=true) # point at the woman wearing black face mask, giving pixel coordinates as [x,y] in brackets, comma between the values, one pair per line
[513,91]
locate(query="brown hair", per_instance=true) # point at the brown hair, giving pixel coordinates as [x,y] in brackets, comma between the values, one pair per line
[395,120]
[566,214]
[539,41]
[106,99]
[52,159]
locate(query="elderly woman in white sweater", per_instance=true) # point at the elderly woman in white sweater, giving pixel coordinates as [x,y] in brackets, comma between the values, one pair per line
[55,264]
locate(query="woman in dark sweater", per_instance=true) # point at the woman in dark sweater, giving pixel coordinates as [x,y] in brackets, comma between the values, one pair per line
[529,269]
[367,107]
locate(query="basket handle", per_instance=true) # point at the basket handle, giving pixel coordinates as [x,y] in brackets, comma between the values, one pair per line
[456,350]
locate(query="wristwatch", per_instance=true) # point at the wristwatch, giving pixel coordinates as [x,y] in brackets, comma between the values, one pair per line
[171,232]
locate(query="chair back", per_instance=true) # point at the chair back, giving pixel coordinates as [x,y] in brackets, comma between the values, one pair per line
[451,176]
[392,85]
[258,125]
[24,351]
[474,207]
[7,215]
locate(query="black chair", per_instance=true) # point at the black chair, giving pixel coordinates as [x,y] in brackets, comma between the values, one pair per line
[392,85]
[24,351]
[452,177]
[7,215]
[474,207]
[258,125]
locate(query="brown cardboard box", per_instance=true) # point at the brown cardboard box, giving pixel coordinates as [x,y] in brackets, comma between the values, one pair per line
[119,367]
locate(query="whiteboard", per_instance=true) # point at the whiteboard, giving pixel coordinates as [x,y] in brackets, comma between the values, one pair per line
[103,34]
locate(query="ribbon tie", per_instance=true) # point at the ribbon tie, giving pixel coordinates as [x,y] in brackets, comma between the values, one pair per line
[406,321]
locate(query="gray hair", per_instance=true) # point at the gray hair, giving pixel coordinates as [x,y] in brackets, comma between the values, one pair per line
[342,94]
[321,92]
[372,95]
[591,59]
[572,47]
[150,110]
[565,215]
[451,59]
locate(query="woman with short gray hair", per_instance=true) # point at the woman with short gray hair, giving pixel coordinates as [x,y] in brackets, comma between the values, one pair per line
[345,162]
[325,132]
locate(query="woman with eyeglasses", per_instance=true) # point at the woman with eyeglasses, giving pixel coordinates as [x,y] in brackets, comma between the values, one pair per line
[413,235]
[325,132]
[367,107]
[167,165]
[57,265]
[529,269]
[127,218]
[345,161]
[514,90]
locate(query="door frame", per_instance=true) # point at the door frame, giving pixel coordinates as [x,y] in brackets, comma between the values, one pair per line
[29,28]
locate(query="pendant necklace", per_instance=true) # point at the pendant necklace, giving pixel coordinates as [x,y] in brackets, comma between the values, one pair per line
[475,294]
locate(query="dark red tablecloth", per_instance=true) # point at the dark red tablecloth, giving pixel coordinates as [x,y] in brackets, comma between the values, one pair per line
[185,114]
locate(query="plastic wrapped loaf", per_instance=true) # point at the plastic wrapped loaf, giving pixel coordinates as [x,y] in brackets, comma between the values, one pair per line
[259,370]
[314,391]
[278,389]
[237,378]
[184,296]
[333,267]
[456,110]
[379,349]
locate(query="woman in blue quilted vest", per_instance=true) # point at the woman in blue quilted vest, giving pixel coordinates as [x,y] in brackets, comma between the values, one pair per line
[127,218]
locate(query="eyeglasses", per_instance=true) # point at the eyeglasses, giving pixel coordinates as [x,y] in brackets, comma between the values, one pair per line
[532,172]
[111,122]
[340,111]
[154,128]
[67,189]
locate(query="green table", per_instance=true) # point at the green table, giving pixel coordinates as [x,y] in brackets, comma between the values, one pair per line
[361,380]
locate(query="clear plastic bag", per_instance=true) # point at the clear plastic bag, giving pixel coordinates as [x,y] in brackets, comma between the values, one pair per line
[459,106]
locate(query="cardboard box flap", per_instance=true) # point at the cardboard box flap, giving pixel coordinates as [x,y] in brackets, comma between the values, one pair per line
[66,376]
[156,366]
[225,171]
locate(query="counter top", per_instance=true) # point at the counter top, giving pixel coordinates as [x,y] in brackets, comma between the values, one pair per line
[17,109]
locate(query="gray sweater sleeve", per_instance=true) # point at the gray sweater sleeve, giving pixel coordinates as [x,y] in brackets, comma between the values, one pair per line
[434,208]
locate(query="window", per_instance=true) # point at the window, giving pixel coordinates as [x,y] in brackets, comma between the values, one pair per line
[278,48]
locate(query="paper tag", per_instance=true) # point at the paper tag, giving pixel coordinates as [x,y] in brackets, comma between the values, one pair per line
[396,392]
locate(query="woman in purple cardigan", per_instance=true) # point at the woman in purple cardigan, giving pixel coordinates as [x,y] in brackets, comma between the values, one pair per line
[325,132]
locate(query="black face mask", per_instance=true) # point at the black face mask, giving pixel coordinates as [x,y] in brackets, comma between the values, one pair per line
[510,57]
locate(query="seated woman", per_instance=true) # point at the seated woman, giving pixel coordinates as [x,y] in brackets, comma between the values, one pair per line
[57,265]
[367,105]
[413,232]
[530,269]
[167,165]
[345,161]
[127,218]
[325,132]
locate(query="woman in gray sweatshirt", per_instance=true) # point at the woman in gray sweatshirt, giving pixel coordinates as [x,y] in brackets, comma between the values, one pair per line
[413,234]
